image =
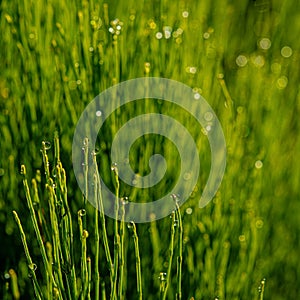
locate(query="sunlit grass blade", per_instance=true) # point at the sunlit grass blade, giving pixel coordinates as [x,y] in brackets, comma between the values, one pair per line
[31,265]
[132,227]
[171,252]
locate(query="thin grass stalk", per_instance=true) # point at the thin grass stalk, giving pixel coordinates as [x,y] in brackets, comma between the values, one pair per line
[103,292]
[31,265]
[103,225]
[68,229]
[89,267]
[179,255]
[116,236]
[49,282]
[84,269]
[53,220]
[85,171]
[121,253]
[171,252]
[55,236]
[37,231]
[44,149]
[14,284]
[262,289]
[137,260]
[97,240]
[41,219]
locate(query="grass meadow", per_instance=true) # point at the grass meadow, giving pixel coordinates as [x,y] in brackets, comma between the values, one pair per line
[242,57]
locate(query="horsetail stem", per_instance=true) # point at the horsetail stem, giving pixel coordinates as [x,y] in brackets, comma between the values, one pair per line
[85,172]
[36,229]
[84,269]
[97,240]
[49,282]
[14,284]
[122,244]
[44,149]
[171,251]
[89,268]
[99,201]
[116,236]
[179,255]
[262,289]
[132,226]
[55,234]
[68,228]
[31,265]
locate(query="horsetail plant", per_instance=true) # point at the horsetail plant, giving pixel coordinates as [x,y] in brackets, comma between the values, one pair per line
[53,227]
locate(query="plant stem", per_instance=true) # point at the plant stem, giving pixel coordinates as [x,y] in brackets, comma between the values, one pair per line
[121,253]
[31,265]
[171,247]
[99,201]
[137,261]
[116,237]
[179,256]
[97,240]
[37,231]
[84,269]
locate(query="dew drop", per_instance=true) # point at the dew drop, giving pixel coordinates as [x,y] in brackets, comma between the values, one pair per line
[264,43]
[241,60]
[130,225]
[258,164]
[197,96]
[162,276]
[114,166]
[159,35]
[82,212]
[259,61]
[286,51]
[185,14]
[98,113]
[124,200]
[167,31]
[208,128]
[189,210]
[282,82]
[206,35]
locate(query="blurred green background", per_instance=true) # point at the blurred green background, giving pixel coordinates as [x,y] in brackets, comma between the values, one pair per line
[242,56]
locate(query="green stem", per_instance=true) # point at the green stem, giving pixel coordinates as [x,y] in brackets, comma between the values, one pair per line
[37,231]
[102,219]
[116,237]
[97,240]
[121,253]
[171,250]
[179,255]
[84,269]
[137,261]
[31,265]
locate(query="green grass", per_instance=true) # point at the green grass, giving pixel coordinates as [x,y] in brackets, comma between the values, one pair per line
[56,56]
